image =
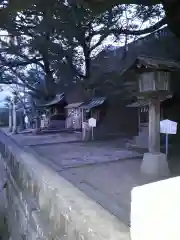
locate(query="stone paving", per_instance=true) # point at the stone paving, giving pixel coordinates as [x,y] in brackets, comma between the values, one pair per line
[79,154]
[31,139]
[105,171]
[108,179]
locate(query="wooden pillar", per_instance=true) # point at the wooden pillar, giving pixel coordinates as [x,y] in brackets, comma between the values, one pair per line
[38,121]
[154,126]
[21,117]
[14,117]
[139,119]
[161,116]
[82,116]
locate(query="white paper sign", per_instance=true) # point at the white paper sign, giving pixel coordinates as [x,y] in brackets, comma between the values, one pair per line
[92,122]
[168,127]
[84,125]
[42,123]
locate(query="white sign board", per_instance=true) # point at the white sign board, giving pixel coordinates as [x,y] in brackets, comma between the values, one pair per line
[26,119]
[92,122]
[168,127]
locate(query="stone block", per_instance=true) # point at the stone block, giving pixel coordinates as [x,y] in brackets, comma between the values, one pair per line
[155,211]
[155,164]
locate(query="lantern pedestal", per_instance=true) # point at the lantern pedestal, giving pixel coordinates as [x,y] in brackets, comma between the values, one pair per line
[154,162]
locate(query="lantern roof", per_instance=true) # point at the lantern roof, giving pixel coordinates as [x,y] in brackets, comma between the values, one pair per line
[147,63]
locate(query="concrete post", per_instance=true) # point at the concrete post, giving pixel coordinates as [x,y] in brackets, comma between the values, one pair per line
[154,126]
[86,132]
[14,117]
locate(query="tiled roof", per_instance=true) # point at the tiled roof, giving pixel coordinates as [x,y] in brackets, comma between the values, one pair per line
[93,103]
[74,105]
[57,99]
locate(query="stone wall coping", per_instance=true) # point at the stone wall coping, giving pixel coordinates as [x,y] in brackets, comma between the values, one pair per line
[88,217]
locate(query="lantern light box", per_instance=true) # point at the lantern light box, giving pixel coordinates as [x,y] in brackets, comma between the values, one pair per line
[154,81]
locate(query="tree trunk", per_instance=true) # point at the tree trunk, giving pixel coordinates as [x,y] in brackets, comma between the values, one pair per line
[10,118]
[22,124]
[172,10]
[14,113]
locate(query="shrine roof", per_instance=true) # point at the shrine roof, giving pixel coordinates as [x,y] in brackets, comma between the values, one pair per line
[57,99]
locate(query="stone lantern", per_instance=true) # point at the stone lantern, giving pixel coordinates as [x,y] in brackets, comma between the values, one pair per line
[154,85]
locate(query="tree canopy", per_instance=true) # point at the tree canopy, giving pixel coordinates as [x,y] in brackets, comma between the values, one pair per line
[54,42]
[171,8]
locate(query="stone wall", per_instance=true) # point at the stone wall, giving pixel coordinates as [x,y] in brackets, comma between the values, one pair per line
[43,205]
